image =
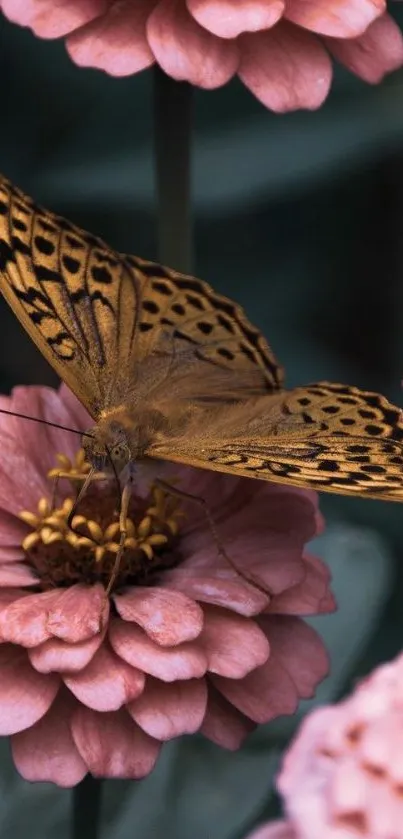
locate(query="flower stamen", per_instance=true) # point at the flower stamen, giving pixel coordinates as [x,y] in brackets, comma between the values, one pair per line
[85,551]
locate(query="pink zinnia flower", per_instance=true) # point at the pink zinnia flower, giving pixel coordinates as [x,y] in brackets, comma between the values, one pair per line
[342,777]
[279,48]
[183,644]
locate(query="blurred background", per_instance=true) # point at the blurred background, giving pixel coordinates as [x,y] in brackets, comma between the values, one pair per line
[300,219]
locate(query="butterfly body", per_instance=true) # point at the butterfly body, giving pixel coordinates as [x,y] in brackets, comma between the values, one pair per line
[170,370]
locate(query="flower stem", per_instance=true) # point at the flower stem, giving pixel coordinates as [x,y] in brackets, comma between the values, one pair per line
[172,147]
[86,814]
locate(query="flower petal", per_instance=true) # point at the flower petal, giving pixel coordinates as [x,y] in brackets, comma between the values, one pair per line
[286,68]
[12,532]
[46,751]
[25,696]
[17,495]
[228,19]
[78,613]
[234,645]
[52,18]
[186,51]
[112,745]
[24,621]
[338,18]
[106,683]
[188,661]
[234,594]
[274,830]
[308,597]
[377,52]
[116,41]
[165,711]
[56,655]
[17,574]
[300,650]
[41,442]
[168,617]
[265,693]
[223,724]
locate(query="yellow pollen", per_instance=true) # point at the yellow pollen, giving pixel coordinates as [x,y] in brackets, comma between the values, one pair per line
[63,553]
[30,541]
[144,527]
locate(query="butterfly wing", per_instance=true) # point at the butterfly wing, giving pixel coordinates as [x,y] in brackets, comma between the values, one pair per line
[325,436]
[96,315]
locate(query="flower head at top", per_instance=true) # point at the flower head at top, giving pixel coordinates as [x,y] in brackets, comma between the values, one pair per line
[281,49]
[183,644]
[342,777]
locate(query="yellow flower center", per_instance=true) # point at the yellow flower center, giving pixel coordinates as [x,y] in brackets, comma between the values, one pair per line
[85,552]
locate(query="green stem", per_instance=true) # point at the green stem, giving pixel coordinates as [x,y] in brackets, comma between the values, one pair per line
[86,815]
[172,146]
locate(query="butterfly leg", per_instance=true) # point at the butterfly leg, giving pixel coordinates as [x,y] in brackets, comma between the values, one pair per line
[55,487]
[197,499]
[123,513]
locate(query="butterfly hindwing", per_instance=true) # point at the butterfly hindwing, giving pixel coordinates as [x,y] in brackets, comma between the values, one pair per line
[326,436]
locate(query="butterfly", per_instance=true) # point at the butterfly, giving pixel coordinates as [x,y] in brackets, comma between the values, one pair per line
[169,370]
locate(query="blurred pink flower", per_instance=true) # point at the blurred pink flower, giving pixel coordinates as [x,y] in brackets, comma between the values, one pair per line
[274,830]
[342,777]
[280,48]
[184,643]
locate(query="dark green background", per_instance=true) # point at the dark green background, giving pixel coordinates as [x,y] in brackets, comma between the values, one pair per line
[299,218]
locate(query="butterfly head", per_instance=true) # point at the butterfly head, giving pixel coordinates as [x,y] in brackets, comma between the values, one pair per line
[107,448]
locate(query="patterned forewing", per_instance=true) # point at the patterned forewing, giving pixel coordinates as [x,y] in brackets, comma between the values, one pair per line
[74,296]
[326,436]
[195,318]
[97,315]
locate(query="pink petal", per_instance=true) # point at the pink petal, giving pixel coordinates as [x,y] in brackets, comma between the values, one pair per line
[17,574]
[228,19]
[186,51]
[165,711]
[24,621]
[72,614]
[12,532]
[300,650]
[52,18]
[223,724]
[41,442]
[188,661]
[112,746]
[17,495]
[46,751]
[265,693]
[275,569]
[274,830]
[286,68]
[106,683]
[275,517]
[234,645]
[234,594]
[377,52]
[307,597]
[116,41]
[338,18]
[25,696]
[79,612]
[59,656]
[168,617]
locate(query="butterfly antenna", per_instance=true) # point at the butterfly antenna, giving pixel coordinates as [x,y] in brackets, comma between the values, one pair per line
[45,422]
